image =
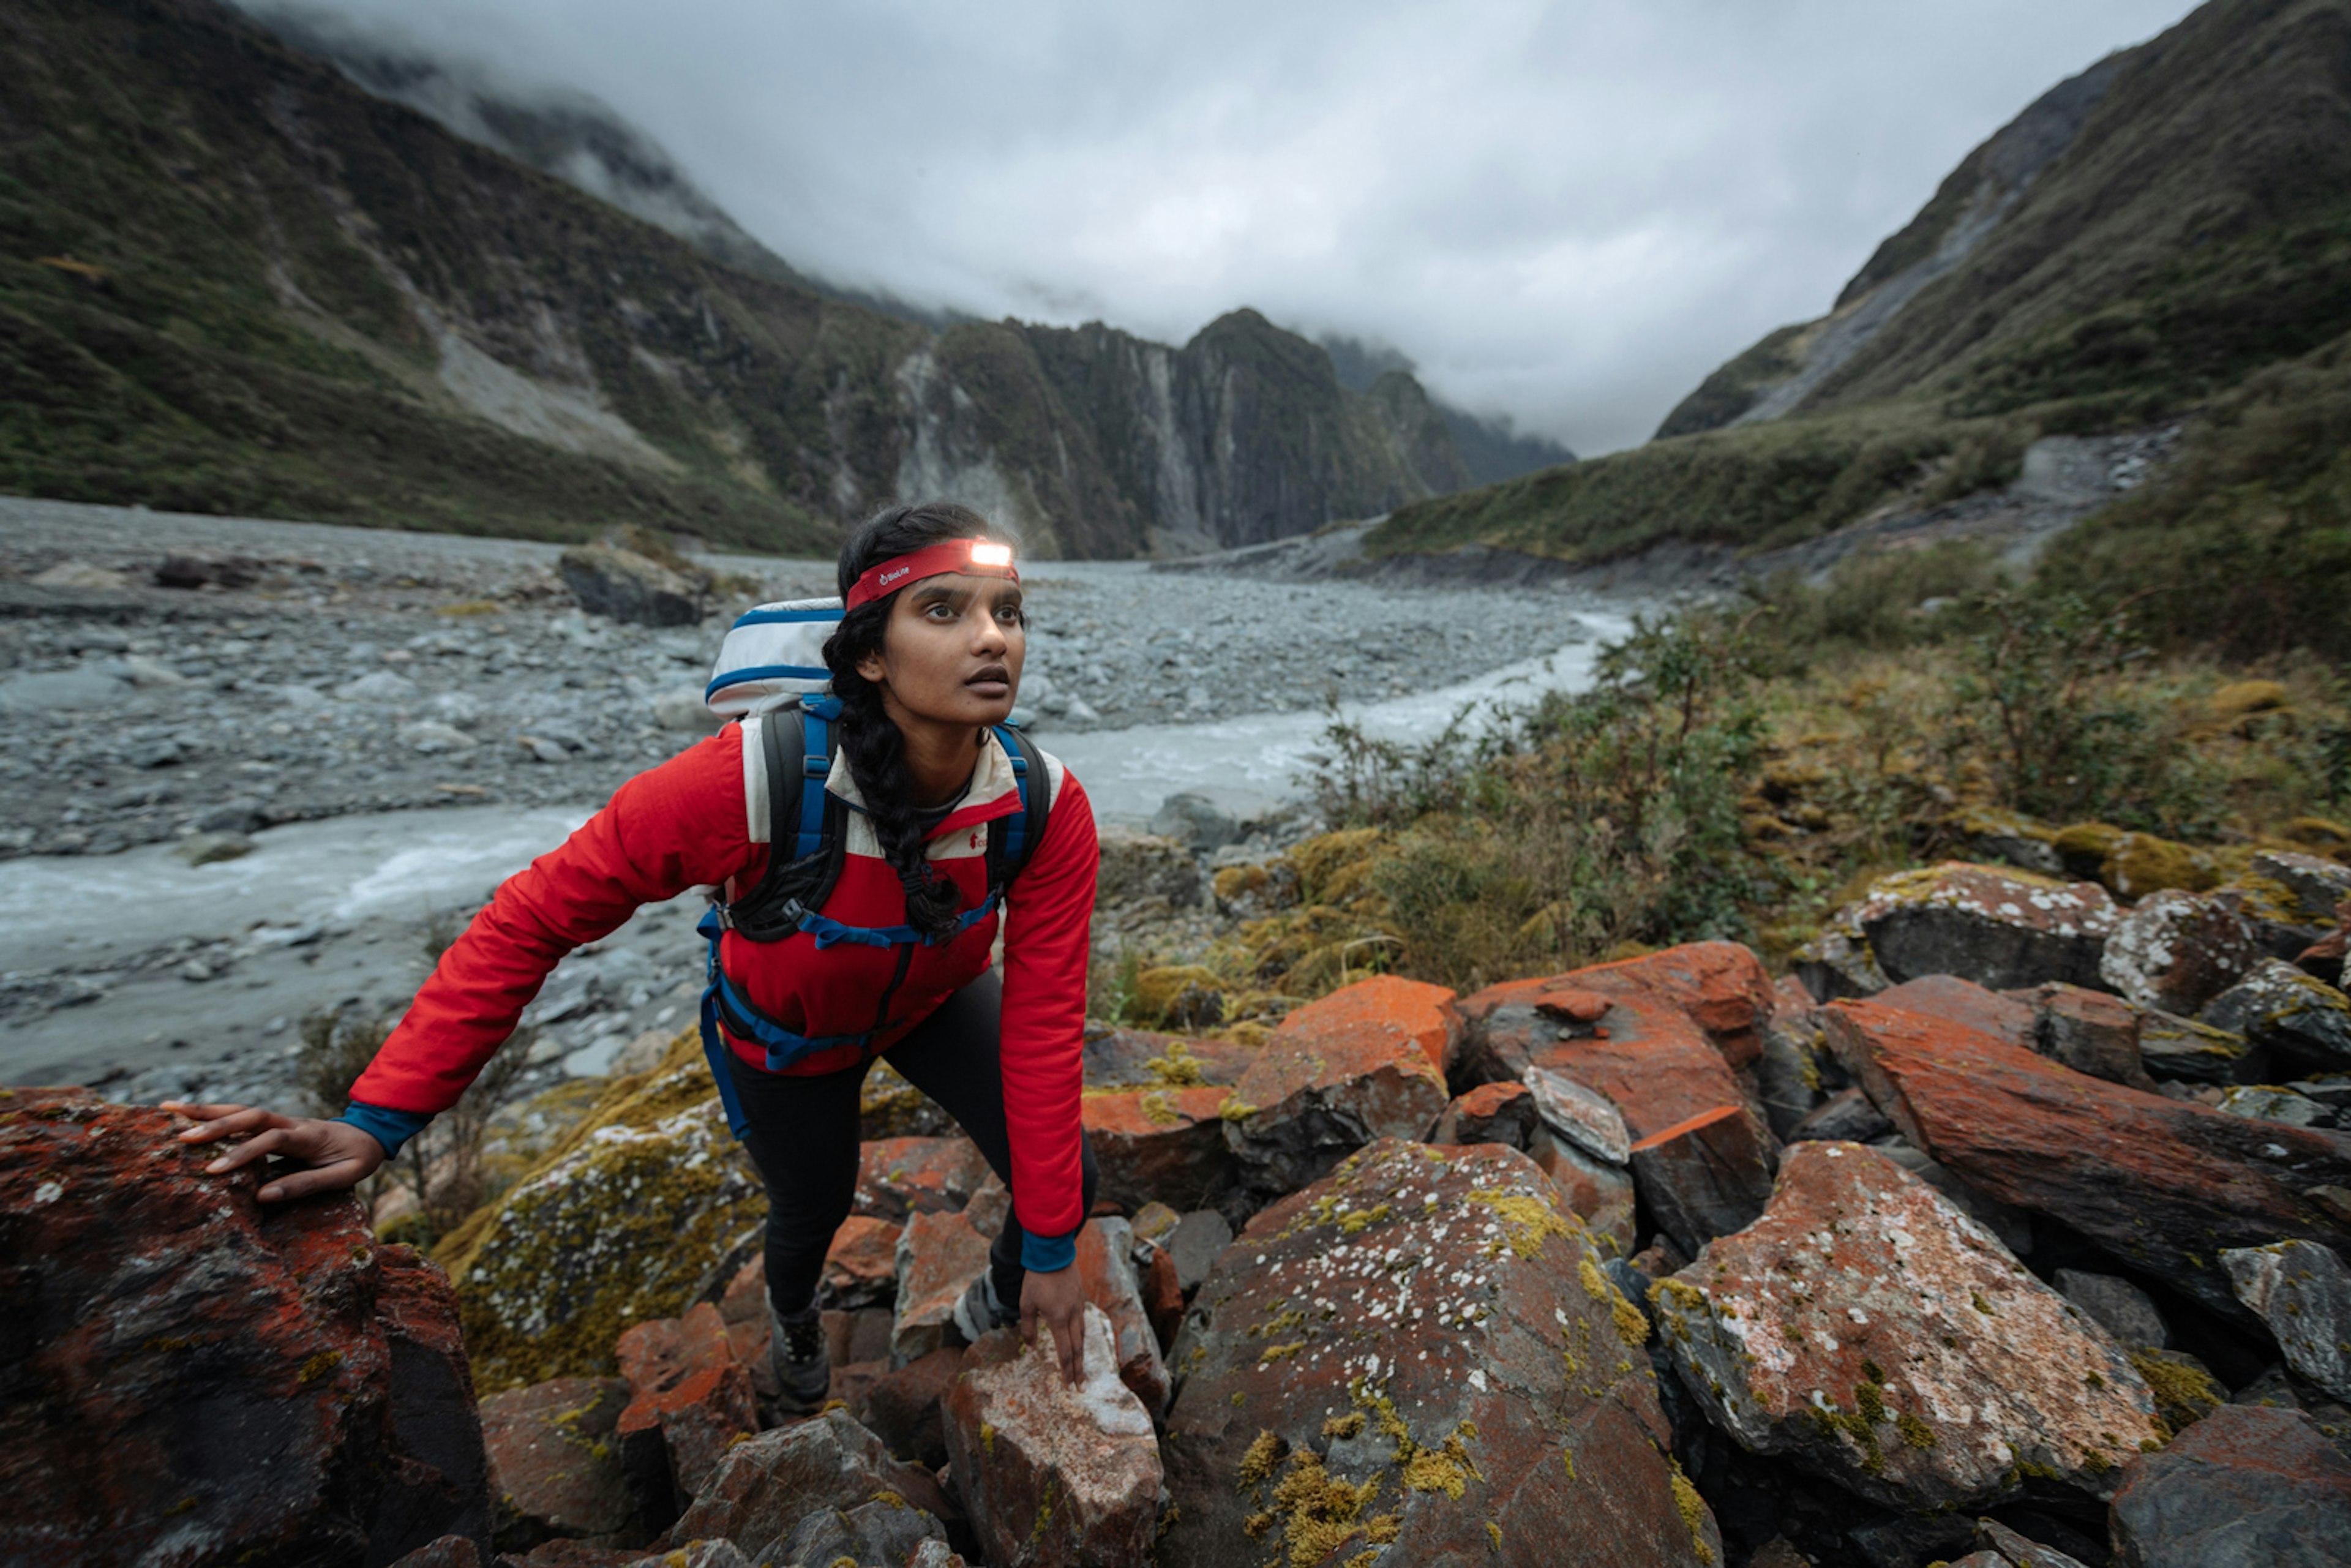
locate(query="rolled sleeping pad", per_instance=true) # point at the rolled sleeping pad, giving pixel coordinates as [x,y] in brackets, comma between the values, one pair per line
[773,654]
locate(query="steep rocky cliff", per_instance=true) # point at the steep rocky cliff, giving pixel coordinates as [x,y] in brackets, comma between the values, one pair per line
[232,281]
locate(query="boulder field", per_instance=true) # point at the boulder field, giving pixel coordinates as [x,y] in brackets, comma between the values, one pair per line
[2023,1239]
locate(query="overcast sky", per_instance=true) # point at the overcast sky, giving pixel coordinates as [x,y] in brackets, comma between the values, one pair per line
[1568,212]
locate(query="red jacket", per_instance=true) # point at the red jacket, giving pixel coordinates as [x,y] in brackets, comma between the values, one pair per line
[685,824]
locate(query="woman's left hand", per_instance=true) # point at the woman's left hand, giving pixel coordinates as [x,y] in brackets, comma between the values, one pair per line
[1059,1298]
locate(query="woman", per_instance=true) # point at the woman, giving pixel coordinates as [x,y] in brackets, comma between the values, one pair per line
[926,659]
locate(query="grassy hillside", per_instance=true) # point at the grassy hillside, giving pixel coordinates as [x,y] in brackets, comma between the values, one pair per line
[2196,229]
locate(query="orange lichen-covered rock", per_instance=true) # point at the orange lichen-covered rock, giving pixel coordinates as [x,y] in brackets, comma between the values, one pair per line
[690,1400]
[2165,1186]
[1723,985]
[1655,1062]
[160,1316]
[1337,1073]
[1164,1144]
[555,1467]
[1497,1112]
[1872,1332]
[768,1484]
[1706,1177]
[1106,1264]
[898,1176]
[2244,1485]
[860,1266]
[938,1255]
[1421,1353]
[901,1407]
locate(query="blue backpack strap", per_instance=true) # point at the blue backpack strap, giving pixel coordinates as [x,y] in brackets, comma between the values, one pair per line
[713,1049]
[816,766]
[1024,829]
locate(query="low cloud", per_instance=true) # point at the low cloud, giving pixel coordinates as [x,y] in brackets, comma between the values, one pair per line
[1568,213]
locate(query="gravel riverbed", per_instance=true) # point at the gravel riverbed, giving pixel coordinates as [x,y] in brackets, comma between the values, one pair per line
[379,725]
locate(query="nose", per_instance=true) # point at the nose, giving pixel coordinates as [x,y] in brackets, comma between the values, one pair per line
[991,640]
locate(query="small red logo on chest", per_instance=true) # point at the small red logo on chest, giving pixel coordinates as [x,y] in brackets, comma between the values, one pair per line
[974,840]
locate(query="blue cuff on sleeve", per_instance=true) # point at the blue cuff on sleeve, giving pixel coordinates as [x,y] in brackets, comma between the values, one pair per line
[1047,1254]
[393,1128]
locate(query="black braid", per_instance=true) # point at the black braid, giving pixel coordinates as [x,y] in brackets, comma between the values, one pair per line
[876,749]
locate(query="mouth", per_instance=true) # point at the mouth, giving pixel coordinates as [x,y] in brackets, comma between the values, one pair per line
[992,683]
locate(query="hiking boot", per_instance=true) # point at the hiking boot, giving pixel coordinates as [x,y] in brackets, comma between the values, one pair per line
[801,1364]
[981,1309]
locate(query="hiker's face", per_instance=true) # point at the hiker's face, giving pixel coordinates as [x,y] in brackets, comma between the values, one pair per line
[952,651]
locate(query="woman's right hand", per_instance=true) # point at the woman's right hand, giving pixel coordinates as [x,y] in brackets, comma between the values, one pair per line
[335,1155]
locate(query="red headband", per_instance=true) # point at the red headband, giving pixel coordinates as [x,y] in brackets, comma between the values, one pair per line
[975,557]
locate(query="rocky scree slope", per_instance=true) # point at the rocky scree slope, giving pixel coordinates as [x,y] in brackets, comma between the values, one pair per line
[239,283]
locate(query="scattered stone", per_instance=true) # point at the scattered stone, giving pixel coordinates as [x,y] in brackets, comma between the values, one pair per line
[1838,963]
[1208,820]
[82,575]
[174,1309]
[2162,1185]
[2302,1292]
[1870,1331]
[1502,1112]
[212,849]
[690,1399]
[1138,867]
[685,712]
[1050,1474]
[885,1531]
[2244,1487]
[2185,1389]
[2122,1309]
[1338,1073]
[2090,1032]
[1600,1194]
[623,585]
[2297,1017]
[900,1176]
[1166,1142]
[938,1255]
[1706,1178]
[1789,1079]
[431,737]
[2177,952]
[555,1467]
[903,1408]
[1105,1262]
[1582,1117]
[380,686]
[2182,1051]
[1377,1363]
[56,691]
[2316,885]
[193,572]
[766,1485]
[1847,1117]
[1721,986]
[643,1054]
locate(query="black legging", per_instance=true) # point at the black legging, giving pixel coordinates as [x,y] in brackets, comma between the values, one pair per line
[803,1137]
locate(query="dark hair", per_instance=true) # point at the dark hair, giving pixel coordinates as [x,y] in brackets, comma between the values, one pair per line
[876,749]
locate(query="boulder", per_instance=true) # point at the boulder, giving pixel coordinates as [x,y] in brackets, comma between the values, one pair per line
[766,1485]
[939,1255]
[163,1318]
[2001,929]
[2313,885]
[2010,1016]
[1837,963]
[1199,1240]
[644,1207]
[554,1469]
[2294,1015]
[621,585]
[2007,1549]
[1377,1363]
[1052,1474]
[2178,951]
[860,1266]
[1600,1194]
[899,1176]
[903,1408]
[2302,1292]
[2264,1104]
[1706,1177]
[2121,1308]
[2162,1185]
[2088,1031]
[1164,1144]
[683,711]
[689,1401]
[2242,1489]
[1721,986]
[1579,1116]
[1141,1058]
[1208,820]
[1501,1112]
[195,571]
[1872,1332]
[2180,1050]
[1844,1117]
[1792,1077]
[1106,1264]
[449,1552]
[886,1530]
[1338,1072]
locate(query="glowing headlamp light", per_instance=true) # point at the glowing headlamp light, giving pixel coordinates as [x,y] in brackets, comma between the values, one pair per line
[986,554]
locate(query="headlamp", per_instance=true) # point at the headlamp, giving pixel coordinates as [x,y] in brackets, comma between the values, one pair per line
[978,557]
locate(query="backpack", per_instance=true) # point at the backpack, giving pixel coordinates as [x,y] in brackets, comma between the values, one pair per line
[770,668]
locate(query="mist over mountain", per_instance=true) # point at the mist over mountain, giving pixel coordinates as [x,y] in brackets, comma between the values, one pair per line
[237,281]
[1491,449]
